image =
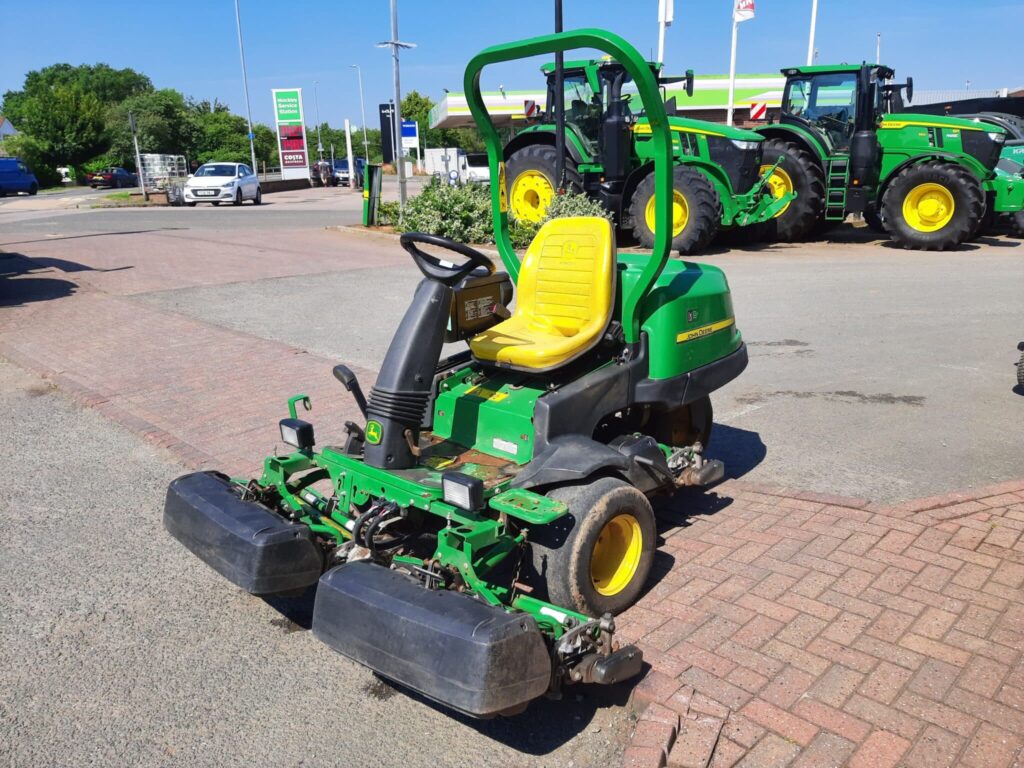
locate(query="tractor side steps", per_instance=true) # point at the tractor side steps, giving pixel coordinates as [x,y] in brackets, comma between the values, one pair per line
[835,183]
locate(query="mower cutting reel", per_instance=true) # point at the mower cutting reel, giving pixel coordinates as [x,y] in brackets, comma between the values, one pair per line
[476,533]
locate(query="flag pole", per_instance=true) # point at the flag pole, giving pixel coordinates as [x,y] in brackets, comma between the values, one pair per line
[810,42]
[732,73]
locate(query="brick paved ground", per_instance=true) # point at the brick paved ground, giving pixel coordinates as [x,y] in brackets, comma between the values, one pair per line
[782,628]
[796,629]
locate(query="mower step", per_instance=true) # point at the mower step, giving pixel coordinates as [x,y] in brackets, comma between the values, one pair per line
[448,646]
[244,542]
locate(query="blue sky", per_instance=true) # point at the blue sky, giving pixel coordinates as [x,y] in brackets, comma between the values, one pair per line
[191,45]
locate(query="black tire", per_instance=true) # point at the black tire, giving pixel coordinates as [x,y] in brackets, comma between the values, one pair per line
[968,205]
[1017,223]
[215,203]
[539,158]
[561,552]
[33,189]
[798,220]
[259,197]
[985,224]
[1020,371]
[238,197]
[875,222]
[702,204]
[191,205]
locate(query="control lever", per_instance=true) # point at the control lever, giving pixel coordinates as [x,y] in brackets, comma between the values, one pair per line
[349,381]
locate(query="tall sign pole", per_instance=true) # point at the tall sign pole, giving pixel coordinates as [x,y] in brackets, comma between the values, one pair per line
[245,88]
[138,157]
[362,109]
[352,169]
[814,24]
[395,44]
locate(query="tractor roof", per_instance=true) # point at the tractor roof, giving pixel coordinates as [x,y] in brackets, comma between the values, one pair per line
[823,68]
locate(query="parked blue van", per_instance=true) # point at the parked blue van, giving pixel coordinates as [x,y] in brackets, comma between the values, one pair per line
[16,177]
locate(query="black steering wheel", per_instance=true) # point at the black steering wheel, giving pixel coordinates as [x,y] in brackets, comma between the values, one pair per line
[434,268]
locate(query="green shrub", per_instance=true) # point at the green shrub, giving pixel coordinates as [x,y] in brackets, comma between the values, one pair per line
[463,213]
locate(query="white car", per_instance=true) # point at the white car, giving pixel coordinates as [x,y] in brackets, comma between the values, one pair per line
[223,183]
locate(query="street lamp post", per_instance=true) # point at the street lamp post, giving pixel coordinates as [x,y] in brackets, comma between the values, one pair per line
[362,109]
[395,44]
[245,87]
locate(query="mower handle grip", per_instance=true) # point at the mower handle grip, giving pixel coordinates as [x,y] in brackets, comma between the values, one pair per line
[434,268]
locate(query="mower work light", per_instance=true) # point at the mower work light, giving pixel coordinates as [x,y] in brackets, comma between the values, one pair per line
[298,433]
[745,145]
[463,491]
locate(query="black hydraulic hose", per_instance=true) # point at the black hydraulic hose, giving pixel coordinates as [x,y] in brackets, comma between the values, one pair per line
[360,522]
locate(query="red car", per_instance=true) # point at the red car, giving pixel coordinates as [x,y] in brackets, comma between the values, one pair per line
[112,177]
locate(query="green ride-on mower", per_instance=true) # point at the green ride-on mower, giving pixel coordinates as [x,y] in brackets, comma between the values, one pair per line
[474,537]
[848,147]
[721,178]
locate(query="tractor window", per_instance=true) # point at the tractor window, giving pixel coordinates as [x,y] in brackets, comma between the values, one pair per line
[582,105]
[827,101]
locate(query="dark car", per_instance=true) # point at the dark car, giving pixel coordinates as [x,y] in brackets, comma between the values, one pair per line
[16,177]
[341,171]
[112,177]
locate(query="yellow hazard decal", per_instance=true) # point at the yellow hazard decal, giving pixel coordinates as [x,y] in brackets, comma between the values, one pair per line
[502,191]
[705,330]
[487,394]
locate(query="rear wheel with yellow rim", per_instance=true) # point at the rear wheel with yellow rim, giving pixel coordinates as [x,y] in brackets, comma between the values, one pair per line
[596,559]
[798,172]
[695,211]
[933,206]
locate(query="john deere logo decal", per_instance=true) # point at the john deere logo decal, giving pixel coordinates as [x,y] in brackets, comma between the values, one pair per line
[374,431]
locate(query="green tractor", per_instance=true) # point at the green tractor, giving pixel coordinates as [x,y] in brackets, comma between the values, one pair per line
[720,178]
[847,147]
[473,537]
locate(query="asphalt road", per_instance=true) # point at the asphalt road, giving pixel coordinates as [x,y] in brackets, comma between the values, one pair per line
[874,372]
[118,648]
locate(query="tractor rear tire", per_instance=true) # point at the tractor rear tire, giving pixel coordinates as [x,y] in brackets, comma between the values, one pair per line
[530,174]
[805,176]
[694,199]
[934,226]
[596,558]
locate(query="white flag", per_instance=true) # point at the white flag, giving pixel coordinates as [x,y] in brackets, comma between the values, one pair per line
[665,12]
[743,11]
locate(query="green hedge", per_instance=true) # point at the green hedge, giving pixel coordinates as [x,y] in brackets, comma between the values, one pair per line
[463,213]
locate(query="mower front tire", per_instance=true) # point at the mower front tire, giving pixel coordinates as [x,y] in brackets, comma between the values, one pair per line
[596,559]
[932,206]
[695,211]
[532,184]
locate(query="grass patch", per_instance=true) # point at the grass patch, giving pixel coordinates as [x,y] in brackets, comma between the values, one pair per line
[124,196]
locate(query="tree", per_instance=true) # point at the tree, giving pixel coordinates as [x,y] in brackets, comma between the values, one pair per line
[221,135]
[163,123]
[67,125]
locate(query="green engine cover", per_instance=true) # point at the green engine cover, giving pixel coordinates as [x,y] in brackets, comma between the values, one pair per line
[687,316]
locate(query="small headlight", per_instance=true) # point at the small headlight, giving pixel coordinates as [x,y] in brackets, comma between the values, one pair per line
[463,491]
[298,433]
[998,138]
[741,144]
[229,184]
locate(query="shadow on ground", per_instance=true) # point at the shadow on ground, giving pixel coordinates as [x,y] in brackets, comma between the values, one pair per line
[21,280]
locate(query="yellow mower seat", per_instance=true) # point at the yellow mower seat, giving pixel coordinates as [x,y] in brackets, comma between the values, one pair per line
[564,298]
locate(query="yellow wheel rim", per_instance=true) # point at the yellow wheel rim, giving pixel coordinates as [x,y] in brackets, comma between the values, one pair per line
[680,213]
[928,207]
[779,183]
[531,195]
[616,555]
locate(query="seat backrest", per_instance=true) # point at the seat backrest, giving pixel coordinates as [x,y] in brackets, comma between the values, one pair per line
[566,283]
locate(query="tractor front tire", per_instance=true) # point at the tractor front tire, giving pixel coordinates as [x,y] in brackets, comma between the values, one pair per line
[530,174]
[800,172]
[696,213]
[875,222]
[596,558]
[932,206]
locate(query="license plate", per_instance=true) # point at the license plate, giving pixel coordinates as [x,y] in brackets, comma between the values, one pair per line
[205,192]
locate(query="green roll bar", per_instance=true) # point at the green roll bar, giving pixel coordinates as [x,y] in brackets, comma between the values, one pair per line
[650,96]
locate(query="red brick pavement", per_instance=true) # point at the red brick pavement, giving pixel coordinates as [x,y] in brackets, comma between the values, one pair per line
[781,628]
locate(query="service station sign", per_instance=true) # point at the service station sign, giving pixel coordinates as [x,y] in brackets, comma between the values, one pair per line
[291,133]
